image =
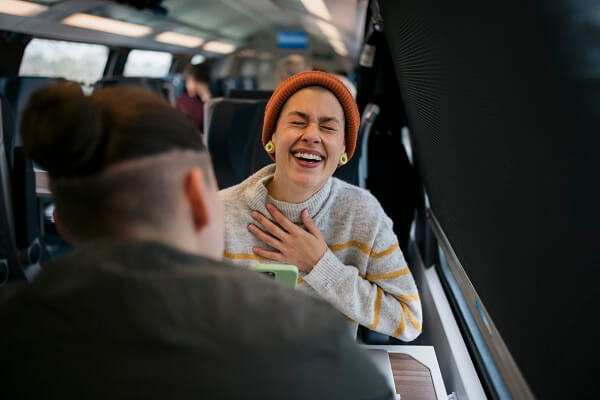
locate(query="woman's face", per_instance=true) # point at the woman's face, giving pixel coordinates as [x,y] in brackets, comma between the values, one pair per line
[309,140]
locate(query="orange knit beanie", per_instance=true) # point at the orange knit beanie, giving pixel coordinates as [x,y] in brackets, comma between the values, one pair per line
[313,78]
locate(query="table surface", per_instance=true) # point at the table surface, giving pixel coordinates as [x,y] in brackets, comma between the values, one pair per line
[416,372]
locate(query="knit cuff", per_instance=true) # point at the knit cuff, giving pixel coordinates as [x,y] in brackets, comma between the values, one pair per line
[326,272]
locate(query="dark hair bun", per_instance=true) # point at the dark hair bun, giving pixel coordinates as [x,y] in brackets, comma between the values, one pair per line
[61,129]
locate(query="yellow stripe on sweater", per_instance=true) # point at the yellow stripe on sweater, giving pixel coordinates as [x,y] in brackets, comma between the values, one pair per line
[402,325]
[351,243]
[386,252]
[388,275]
[412,319]
[406,297]
[377,309]
[243,256]
[364,248]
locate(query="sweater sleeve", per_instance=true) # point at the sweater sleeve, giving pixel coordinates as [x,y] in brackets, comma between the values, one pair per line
[385,299]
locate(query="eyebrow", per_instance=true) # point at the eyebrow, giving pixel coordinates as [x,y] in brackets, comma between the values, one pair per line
[305,116]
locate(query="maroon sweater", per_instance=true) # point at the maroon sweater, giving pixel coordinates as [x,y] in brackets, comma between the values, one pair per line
[193,107]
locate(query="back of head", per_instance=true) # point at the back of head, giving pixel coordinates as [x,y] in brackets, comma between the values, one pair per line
[198,72]
[106,154]
[291,65]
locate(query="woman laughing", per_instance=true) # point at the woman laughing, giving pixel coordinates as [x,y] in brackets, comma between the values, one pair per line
[294,211]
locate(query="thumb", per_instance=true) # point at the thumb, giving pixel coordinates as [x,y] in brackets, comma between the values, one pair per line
[310,224]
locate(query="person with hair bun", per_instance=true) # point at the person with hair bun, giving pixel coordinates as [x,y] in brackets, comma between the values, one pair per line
[294,211]
[143,306]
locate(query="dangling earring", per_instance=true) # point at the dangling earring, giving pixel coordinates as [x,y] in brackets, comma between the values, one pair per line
[270,147]
[343,159]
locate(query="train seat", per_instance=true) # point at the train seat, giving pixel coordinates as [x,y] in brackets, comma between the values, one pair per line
[249,94]
[356,171]
[10,268]
[232,132]
[222,86]
[26,207]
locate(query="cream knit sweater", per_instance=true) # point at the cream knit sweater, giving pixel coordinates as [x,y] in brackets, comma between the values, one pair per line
[363,273]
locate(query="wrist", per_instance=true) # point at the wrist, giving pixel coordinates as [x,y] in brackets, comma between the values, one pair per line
[308,268]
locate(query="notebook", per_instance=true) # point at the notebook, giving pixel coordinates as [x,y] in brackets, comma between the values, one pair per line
[381,359]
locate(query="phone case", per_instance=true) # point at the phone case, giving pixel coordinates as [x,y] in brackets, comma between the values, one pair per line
[284,273]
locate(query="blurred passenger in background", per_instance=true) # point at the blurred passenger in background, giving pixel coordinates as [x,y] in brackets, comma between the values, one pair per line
[342,76]
[197,93]
[291,65]
[347,82]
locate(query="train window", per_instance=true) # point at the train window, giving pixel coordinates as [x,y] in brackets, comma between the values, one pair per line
[154,64]
[80,62]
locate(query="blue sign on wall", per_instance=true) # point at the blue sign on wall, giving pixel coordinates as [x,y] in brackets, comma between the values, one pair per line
[292,40]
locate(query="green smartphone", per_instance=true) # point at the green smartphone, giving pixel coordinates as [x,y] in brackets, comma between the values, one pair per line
[284,273]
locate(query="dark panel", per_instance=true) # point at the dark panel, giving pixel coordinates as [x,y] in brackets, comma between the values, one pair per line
[12,47]
[502,102]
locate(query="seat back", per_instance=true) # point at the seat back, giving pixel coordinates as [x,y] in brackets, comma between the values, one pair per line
[160,86]
[355,172]
[10,268]
[222,86]
[25,211]
[15,92]
[233,138]
[367,120]
[249,94]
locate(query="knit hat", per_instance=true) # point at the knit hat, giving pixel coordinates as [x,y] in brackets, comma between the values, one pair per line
[313,78]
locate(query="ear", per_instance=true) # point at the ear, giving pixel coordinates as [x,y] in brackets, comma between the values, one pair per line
[343,151]
[195,193]
[61,228]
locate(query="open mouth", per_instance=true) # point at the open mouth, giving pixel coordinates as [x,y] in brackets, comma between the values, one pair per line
[311,158]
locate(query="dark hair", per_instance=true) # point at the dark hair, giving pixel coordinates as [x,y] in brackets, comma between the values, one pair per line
[73,135]
[198,72]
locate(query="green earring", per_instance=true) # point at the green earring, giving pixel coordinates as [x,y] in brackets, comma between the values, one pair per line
[344,159]
[270,147]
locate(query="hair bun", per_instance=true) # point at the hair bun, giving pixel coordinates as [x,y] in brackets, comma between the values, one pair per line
[61,129]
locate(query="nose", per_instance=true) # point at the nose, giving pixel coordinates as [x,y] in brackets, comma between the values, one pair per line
[311,134]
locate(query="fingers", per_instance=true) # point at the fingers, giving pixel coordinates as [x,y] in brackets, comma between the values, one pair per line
[264,237]
[268,225]
[271,255]
[310,224]
[281,219]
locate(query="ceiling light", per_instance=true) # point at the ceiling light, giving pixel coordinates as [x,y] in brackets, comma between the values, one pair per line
[93,22]
[22,8]
[179,39]
[329,30]
[219,47]
[318,8]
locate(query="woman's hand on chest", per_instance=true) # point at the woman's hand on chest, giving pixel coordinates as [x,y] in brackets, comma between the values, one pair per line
[294,245]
